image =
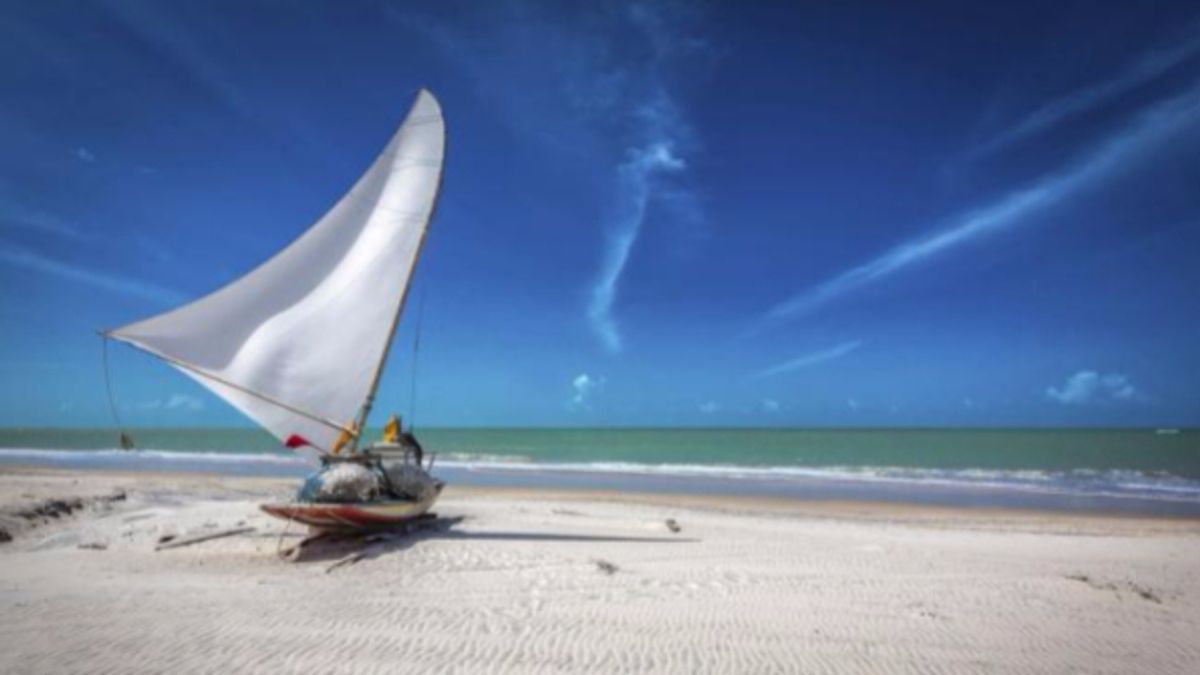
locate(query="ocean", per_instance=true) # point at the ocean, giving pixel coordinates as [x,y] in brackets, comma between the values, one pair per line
[1113,470]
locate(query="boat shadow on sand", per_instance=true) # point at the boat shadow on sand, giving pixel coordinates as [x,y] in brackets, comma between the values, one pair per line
[350,548]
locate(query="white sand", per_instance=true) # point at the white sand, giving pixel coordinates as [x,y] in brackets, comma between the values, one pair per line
[747,585]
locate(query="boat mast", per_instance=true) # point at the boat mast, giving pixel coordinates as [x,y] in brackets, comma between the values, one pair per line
[361,422]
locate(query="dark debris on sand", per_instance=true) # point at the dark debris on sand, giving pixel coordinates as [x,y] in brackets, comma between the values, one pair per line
[19,518]
[605,566]
[1142,592]
[56,508]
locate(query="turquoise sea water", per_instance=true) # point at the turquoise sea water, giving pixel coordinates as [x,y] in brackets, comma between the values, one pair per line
[1145,450]
[1125,465]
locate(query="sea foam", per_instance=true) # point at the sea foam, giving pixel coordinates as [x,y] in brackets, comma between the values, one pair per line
[1113,483]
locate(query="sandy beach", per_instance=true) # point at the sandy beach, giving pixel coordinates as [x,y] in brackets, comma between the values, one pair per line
[546,581]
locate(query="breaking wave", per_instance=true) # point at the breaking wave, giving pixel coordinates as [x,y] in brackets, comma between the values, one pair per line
[1115,483]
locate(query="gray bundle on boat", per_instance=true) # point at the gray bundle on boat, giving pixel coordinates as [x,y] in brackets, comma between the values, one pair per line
[342,482]
[409,481]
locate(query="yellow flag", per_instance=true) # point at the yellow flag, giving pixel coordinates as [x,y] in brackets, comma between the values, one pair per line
[391,430]
[343,438]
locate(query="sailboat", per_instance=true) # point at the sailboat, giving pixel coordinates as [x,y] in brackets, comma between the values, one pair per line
[298,344]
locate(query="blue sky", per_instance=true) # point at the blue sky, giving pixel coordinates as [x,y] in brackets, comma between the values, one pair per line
[652,214]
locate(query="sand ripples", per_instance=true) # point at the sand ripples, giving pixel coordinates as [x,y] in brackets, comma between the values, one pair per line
[516,588]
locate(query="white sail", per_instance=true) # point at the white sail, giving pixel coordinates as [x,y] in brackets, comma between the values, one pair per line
[297,344]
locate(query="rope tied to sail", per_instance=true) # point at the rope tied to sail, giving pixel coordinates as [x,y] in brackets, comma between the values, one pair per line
[416,353]
[124,440]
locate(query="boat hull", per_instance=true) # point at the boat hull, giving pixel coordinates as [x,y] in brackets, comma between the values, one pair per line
[353,517]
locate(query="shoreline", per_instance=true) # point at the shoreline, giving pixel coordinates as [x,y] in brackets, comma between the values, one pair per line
[754,505]
[1066,494]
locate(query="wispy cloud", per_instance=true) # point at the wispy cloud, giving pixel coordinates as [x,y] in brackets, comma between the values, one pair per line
[811,359]
[182,44]
[660,129]
[184,402]
[24,258]
[1160,122]
[14,214]
[85,155]
[636,177]
[710,407]
[181,402]
[1061,109]
[26,364]
[590,81]
[770,405]
[1089,386]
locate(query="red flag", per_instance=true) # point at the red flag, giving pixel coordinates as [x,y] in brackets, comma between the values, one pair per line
[296,441]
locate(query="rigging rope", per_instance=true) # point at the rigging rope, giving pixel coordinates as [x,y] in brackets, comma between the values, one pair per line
[288,528]
[412,391]
[123,439]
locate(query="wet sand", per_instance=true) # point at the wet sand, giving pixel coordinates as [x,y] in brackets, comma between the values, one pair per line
[539,580]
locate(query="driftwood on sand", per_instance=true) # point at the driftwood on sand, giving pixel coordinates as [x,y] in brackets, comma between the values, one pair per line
[188,541]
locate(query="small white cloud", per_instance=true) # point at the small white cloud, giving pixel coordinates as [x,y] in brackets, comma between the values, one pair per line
[582,387]
[770,405]
[1089,386]
[85,155]
[852,403]
[184,402]
[1119,387]
[709,407]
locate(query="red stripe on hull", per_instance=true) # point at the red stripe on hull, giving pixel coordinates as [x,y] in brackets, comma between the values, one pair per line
[349,516]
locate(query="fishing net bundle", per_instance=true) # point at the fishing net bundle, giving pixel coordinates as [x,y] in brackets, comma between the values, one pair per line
[408,481]
[351,482]
[345,482]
